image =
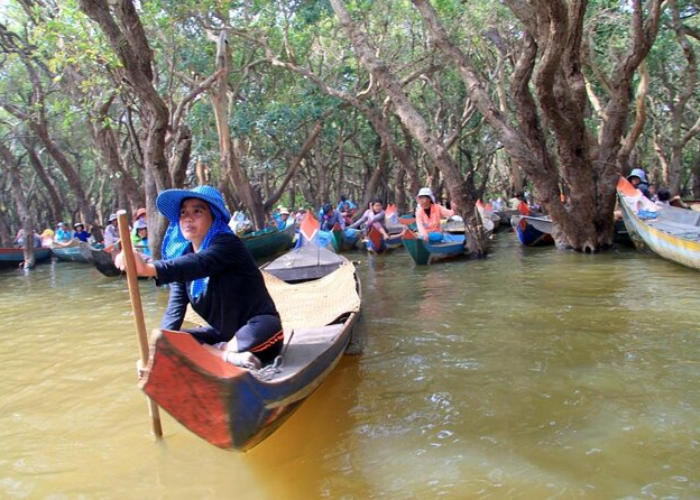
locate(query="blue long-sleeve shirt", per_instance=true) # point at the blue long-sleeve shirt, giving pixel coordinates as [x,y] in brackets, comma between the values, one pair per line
[328,221]
[236,291]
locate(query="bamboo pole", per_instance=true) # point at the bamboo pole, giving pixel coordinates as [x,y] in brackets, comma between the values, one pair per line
[137,308]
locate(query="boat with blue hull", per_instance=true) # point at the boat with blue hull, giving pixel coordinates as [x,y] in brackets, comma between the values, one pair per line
[533,231]
[423,252]
[236,408]
[14,257]
[73,251]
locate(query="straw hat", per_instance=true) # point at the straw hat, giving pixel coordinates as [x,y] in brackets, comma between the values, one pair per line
[283,211]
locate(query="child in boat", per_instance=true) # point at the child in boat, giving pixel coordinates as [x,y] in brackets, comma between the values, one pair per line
[374,217]
[207,266]
[428,215]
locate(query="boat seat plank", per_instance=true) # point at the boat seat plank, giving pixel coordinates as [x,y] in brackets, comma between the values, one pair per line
[679,216]
[305,346]
[686,231]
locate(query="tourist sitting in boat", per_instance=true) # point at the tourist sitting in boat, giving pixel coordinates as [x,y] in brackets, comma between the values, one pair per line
[208,267]
[140,214]
[330,217]
[664,199]
[519,203]
[79,232]
[111,232]
[428,216]
[282,217]
[63,234]
[374,217]
[141,240]
[20,239]
[638,178]
[347,209]
[47,238]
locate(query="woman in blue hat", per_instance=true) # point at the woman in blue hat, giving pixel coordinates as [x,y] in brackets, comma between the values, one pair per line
[207,266]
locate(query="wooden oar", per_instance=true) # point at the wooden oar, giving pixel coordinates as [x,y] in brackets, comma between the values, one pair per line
[136,307]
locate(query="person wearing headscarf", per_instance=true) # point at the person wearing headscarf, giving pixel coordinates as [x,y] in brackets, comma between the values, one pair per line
[208,267]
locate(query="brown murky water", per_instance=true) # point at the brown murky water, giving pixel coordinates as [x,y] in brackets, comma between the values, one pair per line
[533,374]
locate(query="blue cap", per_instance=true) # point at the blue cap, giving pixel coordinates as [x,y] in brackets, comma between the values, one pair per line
[170,201]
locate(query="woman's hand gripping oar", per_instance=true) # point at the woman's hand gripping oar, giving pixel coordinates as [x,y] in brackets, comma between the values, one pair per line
[135,296]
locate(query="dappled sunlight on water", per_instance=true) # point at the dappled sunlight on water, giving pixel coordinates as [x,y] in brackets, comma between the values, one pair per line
[532,374]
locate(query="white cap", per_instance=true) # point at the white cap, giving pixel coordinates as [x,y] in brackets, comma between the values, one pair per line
[426,191]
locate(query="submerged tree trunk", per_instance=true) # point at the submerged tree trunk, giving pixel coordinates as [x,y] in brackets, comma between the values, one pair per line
[20,199]
[589,169]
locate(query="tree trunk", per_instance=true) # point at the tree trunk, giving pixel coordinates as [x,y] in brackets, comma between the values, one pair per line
[418,128]
[230,160]
[20,199]
[55,202]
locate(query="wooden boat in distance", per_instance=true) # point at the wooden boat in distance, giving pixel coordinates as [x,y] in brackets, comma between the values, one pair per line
[268,242]
[533,231]
[424,253]
[378,244]
[235,408]
[72,251]
[674,233]
[14,257]
[103,261]
[344,239]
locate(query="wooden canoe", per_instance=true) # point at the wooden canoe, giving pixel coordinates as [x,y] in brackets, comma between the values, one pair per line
[378,244]
[533,231]
[268,242]
[424,253]
[674,234]
[104,262]
[344,239]
[73,251]
[235,408]
[14,257]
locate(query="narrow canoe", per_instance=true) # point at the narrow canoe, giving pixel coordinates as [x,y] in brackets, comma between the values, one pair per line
[104,262]
[378,244]
[268,242]
[235,408]
[533,231]
[674,234]
[74,251]
[344,239]
[424,253]
[14,257]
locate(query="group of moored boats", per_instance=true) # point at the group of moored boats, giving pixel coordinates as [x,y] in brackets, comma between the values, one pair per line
[318,295]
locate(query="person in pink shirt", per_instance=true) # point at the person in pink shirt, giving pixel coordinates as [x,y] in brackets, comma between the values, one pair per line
[428,215]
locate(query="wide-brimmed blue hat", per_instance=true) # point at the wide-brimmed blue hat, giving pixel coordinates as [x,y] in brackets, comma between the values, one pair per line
[170,200]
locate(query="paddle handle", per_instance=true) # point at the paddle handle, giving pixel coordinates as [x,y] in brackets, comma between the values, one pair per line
[137,309]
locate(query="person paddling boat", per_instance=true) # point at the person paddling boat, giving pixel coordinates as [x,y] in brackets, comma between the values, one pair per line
[208,267]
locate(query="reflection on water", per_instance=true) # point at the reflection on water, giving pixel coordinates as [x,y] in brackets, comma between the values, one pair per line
[532,374]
